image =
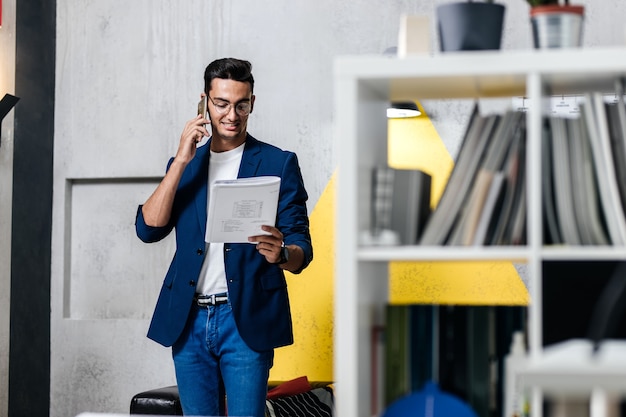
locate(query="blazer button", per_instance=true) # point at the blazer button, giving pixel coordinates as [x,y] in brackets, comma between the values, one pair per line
[192,283]
[200,251]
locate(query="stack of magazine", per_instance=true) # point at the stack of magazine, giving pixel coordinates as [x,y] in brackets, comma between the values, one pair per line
[583,179]
[484,202]
[584,174]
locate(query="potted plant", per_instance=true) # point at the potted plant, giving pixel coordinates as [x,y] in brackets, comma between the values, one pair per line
[470,25]
[556,24]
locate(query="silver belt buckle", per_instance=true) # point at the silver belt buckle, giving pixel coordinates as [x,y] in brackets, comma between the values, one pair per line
[203,301]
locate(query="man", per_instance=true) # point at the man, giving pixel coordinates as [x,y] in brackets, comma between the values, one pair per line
[224,307]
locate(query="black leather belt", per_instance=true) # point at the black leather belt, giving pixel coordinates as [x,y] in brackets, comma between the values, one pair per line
[210,300]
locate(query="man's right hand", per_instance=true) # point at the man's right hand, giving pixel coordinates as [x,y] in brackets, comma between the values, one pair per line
[158,208]
[192,134]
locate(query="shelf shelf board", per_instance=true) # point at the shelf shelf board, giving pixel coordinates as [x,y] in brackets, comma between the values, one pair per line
[472,74]
[570,367]
[516,254]
[444,253]
[592,253]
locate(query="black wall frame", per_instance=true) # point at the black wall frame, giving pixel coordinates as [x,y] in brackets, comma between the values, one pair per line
[29,355]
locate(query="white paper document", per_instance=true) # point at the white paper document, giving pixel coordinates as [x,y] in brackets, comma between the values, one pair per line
[238,208]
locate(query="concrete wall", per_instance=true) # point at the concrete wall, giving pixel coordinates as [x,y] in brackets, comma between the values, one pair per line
[128,77]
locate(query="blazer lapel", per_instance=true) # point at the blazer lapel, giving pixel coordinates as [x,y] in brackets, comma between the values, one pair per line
[250,159]
[200,171]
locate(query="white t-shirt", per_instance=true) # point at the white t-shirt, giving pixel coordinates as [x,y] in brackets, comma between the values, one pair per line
[212,280]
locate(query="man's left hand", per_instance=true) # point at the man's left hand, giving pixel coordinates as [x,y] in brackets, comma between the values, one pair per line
[269,245]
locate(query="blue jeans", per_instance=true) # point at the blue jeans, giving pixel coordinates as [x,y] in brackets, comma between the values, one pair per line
[211,360]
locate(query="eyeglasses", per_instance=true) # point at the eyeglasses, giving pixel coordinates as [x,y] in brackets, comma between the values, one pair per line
[242,108]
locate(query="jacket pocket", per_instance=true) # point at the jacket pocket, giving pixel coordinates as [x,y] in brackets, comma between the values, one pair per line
[273,281]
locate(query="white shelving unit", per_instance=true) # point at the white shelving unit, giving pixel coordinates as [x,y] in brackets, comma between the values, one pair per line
[364,85]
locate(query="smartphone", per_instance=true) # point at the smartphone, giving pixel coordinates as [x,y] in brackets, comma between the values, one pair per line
[202,107]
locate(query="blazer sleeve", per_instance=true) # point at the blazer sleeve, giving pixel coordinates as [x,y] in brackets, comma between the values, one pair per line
[150,234]
[292,217]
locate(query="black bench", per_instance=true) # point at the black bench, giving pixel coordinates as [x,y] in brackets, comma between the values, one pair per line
[161,402]
[165,401]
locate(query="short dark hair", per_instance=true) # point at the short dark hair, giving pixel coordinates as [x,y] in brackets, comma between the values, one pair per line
[228,69]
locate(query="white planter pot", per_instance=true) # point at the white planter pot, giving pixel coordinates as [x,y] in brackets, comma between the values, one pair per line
[557,26]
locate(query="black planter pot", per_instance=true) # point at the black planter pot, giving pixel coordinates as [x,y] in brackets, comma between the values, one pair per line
[470,26]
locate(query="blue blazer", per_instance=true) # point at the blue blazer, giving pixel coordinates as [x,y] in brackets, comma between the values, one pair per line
[257,289]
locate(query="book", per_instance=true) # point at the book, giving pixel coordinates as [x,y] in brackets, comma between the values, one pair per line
[449,209]
[577,163]
[490,209]
[239,207]
[494,161]
[439,224]
[473,342]
[518,235]
[466,227]
[400,202]
[397,353]
[562,174]
[515,189]
[617,125]
[410,345]
[594,112]
[518,224]
[585,191]
[552,233]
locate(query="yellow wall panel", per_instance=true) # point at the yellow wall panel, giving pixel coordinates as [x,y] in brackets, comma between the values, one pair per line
[311,296]
[469,283]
